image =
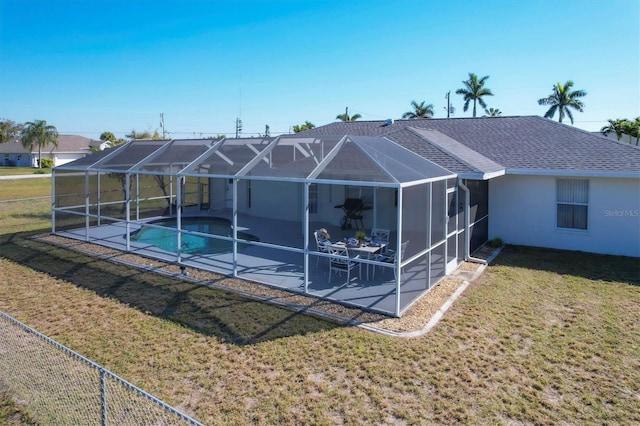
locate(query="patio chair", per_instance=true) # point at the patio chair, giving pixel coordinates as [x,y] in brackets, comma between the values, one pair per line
[352,208]
[341,262]
[322,244]
[392,257]
[379,235]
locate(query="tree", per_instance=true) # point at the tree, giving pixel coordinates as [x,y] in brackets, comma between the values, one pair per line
[492,112]
[632,128]
[138,135]
[302,127]
[420,110]
[563,99]
[38,133]
[347,117]
[108,137]
[9,129]
[616,126]
[474,90]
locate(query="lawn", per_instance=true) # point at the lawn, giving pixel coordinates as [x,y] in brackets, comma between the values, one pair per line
[544,337]
[12,171]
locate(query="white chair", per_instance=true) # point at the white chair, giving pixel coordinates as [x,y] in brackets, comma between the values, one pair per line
[393,257]
[341,262]
[380,235]
[322,245]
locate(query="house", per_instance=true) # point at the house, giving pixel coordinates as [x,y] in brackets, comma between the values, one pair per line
[549,184]
[70,147]
[440,188]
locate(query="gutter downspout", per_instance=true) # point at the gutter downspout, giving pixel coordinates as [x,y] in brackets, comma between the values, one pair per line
[467,226]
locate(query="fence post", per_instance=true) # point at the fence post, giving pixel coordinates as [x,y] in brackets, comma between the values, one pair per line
[103,396]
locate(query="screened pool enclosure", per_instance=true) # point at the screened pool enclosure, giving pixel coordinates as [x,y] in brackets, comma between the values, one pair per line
[250,208]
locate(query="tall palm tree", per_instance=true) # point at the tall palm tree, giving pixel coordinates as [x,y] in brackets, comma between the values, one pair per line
[616,126]
[492,112]
[347,117]
[420,110]
[632,128]
[40,134]
[474,90]
[562,99]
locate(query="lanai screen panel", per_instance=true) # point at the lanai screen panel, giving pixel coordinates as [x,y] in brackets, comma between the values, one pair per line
[351,163]
[130,155]
[293,157]
[398,162]
[89,160]
[229,157]
[175,155]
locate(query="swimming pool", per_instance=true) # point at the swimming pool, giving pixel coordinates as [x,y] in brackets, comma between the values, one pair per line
[166,238]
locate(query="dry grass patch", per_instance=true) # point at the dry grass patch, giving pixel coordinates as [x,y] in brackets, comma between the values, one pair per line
[543,338]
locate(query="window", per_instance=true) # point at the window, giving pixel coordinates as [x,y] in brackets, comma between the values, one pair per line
[572,203]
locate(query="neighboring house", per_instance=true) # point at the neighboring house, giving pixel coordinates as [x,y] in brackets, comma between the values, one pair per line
[549,184]
[70,148]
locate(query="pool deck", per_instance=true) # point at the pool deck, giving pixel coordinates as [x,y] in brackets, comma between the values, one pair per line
[278,267]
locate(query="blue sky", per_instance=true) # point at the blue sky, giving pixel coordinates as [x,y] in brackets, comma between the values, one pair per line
[91,66]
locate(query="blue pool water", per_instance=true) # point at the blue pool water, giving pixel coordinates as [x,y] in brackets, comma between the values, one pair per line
[166,237]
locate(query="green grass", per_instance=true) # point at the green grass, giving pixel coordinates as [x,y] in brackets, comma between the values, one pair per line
[12,171]
[24,188]
[12,413]
[545,337]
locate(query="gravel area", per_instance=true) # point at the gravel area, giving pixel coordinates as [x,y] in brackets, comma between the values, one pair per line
[414,320]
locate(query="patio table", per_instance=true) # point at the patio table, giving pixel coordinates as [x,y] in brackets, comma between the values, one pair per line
[367,250]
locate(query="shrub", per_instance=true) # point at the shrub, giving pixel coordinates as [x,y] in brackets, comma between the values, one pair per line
[46,163]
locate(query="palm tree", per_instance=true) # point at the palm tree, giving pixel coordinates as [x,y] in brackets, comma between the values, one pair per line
[474,90]
[616,126]
[492,112]
[302,127]
[346,117]
[420,110]
[108,137]
[40,134]
[562,99]
[632,128]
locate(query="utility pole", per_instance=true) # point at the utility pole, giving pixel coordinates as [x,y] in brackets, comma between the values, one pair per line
[266,131]
[164,133]
[450,108]
[238,127]
[448,103]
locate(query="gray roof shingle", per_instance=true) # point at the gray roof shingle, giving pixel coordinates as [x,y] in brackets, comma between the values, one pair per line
[519,144]
[66,143]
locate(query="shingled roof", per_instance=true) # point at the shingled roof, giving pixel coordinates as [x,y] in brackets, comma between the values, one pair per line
[66,143]
[518,145]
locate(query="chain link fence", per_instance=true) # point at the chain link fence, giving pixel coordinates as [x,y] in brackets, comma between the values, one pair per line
[60,387]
